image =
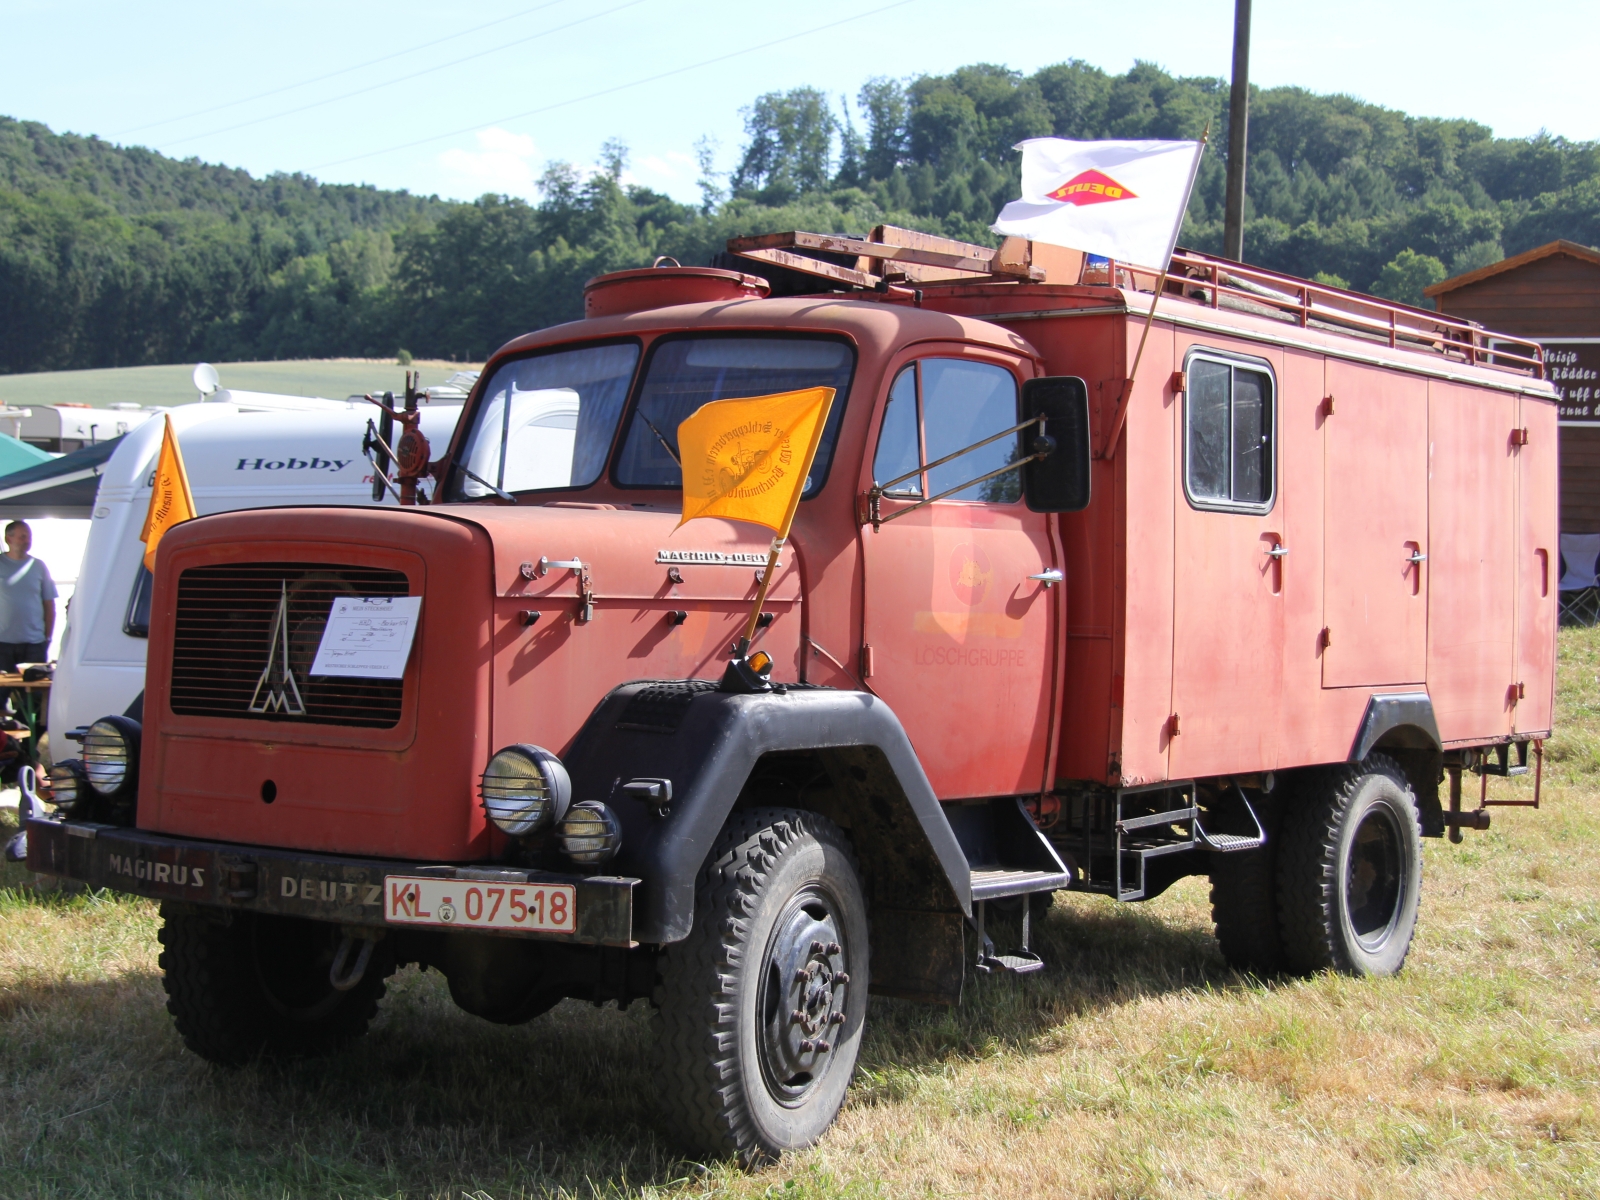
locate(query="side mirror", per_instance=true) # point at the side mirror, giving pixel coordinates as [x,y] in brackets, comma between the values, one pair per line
[1059,481]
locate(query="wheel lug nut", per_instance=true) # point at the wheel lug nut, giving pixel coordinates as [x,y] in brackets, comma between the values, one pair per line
[802,976]
[798,1014]
[823,1047]
[834,948]
[817,948]
[836,1018]
[841,978]
[807,1046]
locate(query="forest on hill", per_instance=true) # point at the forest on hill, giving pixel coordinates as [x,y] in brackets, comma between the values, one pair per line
[114,256]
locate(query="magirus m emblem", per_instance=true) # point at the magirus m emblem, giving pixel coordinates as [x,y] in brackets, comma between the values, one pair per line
[282,693]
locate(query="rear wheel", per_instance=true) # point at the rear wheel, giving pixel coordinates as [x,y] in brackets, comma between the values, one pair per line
[258,985]
[1350,871]
[761,1008]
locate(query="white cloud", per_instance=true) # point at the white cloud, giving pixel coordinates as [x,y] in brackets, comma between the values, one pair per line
[504,162]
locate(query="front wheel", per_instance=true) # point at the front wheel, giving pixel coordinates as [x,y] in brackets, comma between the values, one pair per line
[1350,871]
[258,985]
[761,1007]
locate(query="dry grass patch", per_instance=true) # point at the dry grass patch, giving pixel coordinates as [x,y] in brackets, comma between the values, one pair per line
[1136,1065]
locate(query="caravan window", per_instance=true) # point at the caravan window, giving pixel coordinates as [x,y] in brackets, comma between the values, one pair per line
[546,421]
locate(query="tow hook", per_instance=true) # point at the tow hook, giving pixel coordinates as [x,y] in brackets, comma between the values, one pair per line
[342,979]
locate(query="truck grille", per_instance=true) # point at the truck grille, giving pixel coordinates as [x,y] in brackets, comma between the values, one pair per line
[224,633]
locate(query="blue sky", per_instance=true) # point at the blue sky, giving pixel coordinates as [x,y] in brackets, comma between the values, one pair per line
[477,97]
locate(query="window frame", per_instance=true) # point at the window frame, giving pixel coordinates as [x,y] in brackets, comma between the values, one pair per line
[1233,361]
[915,360]
[647,360]
[480,397]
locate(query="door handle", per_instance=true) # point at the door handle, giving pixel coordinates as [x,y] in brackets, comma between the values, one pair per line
[1049,578]
[547,565]
[1417,557]
[1278,550]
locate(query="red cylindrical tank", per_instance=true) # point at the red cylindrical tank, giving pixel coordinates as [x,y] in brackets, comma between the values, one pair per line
[657,287]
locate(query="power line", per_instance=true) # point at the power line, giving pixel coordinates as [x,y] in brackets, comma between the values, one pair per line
[289,87]
[406,78]
[621,87]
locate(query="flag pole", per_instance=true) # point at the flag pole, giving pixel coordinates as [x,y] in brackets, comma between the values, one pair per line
[1120,417]
[761,596]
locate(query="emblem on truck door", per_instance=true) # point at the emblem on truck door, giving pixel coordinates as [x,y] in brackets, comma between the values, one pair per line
[282,693]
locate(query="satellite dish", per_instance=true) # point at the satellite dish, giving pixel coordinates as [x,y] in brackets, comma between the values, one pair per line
[206,378]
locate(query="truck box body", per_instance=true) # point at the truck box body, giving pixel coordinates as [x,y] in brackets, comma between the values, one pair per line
[1176,611]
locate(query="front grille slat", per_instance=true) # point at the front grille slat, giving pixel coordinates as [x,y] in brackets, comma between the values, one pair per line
[223,633]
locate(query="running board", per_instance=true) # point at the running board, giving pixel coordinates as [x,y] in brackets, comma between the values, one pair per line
[1021,961]
[994,885]
[1232,843]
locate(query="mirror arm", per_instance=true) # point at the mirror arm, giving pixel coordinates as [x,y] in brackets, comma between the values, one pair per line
[878,490]
[878,520]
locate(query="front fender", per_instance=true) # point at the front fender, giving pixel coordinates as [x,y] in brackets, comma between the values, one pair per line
[708,743]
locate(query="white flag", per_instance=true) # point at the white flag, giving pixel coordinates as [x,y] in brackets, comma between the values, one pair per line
[1124,200]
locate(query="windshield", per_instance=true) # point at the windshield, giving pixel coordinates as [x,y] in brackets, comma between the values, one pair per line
[685,373]
[546,422]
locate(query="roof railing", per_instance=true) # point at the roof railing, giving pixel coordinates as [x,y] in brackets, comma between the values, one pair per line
[893,258]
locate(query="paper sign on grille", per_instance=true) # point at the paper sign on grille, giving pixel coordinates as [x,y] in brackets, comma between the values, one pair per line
[368,637]
[475,904]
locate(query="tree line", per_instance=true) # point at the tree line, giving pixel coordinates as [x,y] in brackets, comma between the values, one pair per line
[113,256]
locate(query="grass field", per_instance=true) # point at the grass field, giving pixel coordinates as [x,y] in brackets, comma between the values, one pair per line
[1136,1065]
[332,378]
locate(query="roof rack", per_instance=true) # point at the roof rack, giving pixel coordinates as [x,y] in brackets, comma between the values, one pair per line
[891,256]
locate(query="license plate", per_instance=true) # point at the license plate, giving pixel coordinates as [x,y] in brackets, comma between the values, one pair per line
[475,904]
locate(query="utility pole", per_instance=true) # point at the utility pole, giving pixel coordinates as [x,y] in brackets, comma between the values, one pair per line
[1238,128]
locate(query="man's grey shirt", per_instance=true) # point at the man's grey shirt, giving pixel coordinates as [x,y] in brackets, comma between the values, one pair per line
[24,588]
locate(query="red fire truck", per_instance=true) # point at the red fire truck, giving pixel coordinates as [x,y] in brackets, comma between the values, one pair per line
[1037,627]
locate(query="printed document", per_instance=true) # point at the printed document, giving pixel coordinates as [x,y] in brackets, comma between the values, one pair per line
[368,637]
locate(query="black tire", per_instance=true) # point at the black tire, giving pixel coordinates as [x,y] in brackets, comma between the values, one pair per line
[779,898]
[1350,871]
[258,986]
[1244,898]
[1244,909]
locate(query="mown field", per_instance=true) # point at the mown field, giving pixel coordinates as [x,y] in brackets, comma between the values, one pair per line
[333,378]
[1136,1065]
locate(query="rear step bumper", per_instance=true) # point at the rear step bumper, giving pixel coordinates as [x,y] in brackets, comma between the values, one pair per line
[289,883]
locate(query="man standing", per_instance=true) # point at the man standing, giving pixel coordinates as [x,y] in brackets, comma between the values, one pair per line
[27,601]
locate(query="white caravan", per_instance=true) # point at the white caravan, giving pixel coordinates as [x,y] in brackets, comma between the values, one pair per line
[241,450]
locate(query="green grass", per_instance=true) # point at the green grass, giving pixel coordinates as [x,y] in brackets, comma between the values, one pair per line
[1136,1065]
[331,378]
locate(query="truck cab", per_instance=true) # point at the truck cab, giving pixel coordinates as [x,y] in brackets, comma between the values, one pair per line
[1037,627]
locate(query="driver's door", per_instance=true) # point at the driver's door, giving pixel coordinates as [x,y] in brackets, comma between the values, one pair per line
[959,630]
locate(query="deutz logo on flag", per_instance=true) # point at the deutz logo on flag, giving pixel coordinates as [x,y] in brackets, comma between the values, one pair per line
[748,459]
[1124,200]
[1091,187]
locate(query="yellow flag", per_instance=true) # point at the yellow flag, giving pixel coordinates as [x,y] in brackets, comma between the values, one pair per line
[748,459]
[170,501]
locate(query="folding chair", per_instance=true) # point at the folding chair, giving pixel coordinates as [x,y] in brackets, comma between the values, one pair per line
[1580,586]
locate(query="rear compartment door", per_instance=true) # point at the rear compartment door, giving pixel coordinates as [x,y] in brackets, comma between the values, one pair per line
[1472,517]
[1536,566]
[960,634]
[1376,544]
[1228,612]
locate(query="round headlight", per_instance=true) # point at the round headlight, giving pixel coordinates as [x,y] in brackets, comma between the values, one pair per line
[590,833]
[66,783]
[111,755]
[525,790]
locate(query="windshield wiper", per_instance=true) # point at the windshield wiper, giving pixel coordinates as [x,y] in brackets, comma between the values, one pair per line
[670,451]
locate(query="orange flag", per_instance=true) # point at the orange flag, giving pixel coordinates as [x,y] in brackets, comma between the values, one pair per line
[170,501]
[748,459]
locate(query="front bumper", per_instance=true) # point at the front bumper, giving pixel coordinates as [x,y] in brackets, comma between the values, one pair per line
[288,883]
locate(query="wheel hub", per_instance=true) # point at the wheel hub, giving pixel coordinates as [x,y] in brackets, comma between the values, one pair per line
[1375,879]
[804,988]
